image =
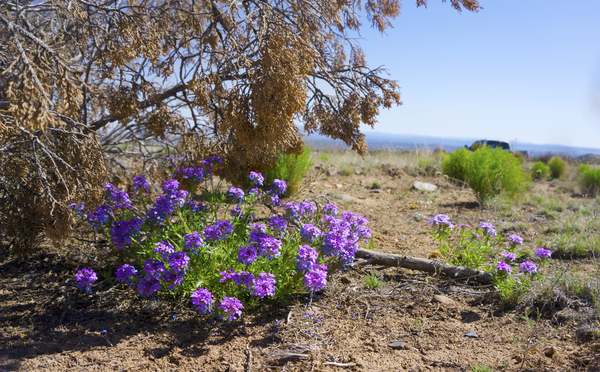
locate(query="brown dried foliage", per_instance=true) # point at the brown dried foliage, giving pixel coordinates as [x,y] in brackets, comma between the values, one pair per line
[78,78]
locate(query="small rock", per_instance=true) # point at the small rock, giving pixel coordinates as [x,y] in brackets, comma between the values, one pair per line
[339,186]
[376,191]
[347,198]
[422,186]
[443,300]
[472,335]
[398,345]
[549,352]
[332,171]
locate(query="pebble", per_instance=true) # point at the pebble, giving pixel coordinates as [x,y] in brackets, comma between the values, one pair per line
[472,335]
[398,345]
[443,299]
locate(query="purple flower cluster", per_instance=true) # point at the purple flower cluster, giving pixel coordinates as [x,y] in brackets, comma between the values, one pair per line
[118,198]
[178,261]
[515,240]
[247,254]
[100,216]
[528,267]
[165,204]
[265,244]
[236,194]
[257,178]
[341,235]
[85,278]
[194,174]
[292,210]
[307,209]
[264,285]
[148,285]
[77,208]
[140,183]
[195,207]
[462,225]
[232,307]
[306,258]
[277,223]
[123,231]
[488,229]
[503,266]
[279,186]
[202,300]
[330,210]
[310,232]
[218,231]
[193,241]
[125,273]
[543,253]
[509,256]
[441,221]
[164,249]
[243,278]
[316,278]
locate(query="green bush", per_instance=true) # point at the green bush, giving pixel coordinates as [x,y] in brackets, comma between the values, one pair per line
[589,179]
[488,172]
[557,167]
[292,169]
[539,170]
[582,168]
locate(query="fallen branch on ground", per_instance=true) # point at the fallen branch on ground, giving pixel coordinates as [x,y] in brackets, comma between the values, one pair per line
[421,264]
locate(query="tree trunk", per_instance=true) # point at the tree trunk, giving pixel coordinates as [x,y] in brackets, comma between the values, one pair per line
[413,263]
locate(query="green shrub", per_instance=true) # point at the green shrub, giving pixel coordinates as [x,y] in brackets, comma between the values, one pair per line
[539,170]
[557,167]
[453,165]
[589,180]
[488,172]
[582,168]
[292,169]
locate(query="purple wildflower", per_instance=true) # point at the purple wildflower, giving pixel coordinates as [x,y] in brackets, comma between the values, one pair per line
[123,231]
[193,241]
[232,307]
[306,258]
[257,178]
[170,187]
[77,208]
[316,278]
[515,240]
[178,261]
[509,256]
[247,254]
[279,186]
[119,198]
[277,223]
[441,221]
[310,232]
[307,209]
[125,273]
[218,231]
[148,285]
[174,278]
[543,253]
[100,216]
[267,245]
[292,209]
[85,278]
[364,232]
[236,194]
[528,267]
[274,200]
[476,236]
[140,183]
[164,249]
[462,225]
[154,268]
[202,300]
[488,228]
[194,174]
[330,209]
[264,285]
[503,266]
[243,278]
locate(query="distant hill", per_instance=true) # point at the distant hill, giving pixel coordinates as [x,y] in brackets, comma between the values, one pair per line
[388,141]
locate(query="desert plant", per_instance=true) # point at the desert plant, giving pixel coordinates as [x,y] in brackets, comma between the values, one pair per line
[557,167]
[290,168]
[589,179]
[539,170]
[213,253]
[373,282]
[488,172]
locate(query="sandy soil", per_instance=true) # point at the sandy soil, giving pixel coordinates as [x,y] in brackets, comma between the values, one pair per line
[415,322]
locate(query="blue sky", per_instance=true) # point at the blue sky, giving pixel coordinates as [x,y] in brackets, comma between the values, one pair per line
[520,70]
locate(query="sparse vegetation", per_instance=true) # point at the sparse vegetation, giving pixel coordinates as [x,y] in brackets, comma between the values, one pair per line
[589,179]
[539,170]
[557,167]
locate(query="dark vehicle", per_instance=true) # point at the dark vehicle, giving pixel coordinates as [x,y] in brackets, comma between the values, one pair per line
[525,153]
[494,144]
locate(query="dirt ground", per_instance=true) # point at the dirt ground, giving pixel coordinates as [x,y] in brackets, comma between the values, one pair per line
[415,322]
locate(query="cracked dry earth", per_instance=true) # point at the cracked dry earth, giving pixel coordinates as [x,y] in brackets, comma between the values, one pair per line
[414,322]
